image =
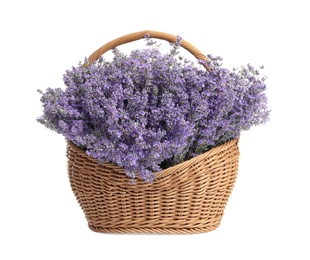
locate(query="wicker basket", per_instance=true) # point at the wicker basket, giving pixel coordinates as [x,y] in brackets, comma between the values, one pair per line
[187,198]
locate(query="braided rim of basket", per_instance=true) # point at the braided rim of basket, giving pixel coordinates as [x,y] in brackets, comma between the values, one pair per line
[140,35]
[161,178]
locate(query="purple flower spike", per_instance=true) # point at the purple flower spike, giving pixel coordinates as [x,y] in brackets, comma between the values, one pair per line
[147,111]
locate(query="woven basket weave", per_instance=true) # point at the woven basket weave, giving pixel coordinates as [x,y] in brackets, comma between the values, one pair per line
[187,198]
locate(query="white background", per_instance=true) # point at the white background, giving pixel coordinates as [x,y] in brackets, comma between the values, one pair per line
[267,216]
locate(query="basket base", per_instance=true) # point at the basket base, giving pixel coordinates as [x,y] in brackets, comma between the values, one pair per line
[176,231]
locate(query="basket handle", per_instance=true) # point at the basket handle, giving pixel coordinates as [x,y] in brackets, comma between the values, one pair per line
[140,35]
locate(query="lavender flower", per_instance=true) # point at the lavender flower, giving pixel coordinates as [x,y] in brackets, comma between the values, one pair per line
[148,111]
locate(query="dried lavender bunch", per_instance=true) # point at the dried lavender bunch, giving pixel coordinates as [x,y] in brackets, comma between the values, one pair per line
[147,111]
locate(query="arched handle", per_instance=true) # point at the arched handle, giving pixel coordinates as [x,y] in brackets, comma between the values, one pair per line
[140,35]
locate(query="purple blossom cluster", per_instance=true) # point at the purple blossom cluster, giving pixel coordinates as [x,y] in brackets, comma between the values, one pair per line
[147,111]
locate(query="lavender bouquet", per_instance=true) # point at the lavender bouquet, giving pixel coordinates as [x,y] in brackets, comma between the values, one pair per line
[147,111]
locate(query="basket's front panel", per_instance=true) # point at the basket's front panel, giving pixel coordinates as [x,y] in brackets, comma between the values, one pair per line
[186,199]
[222,168]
